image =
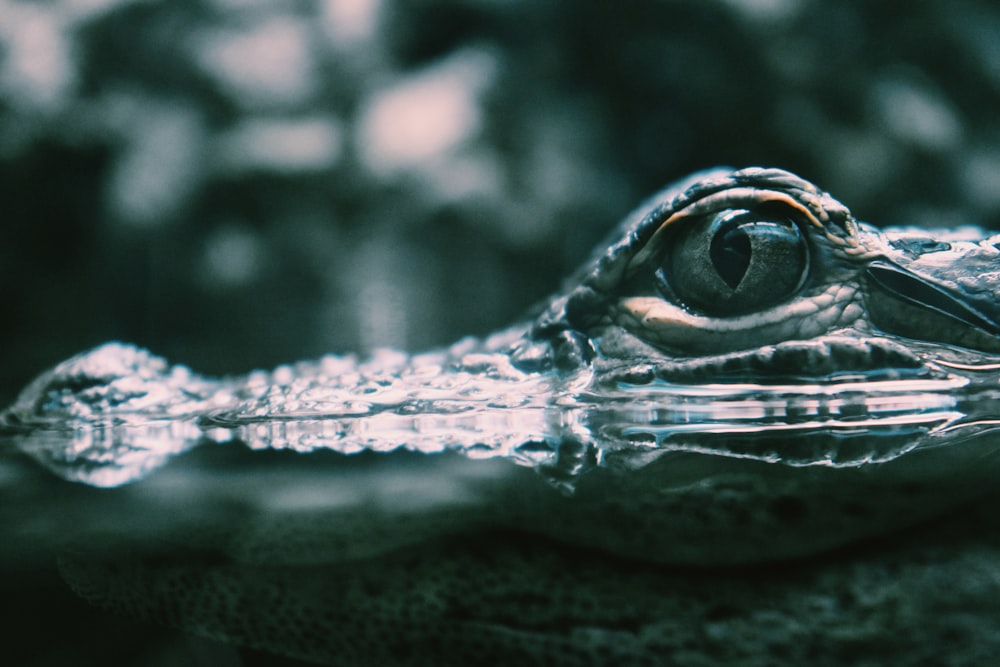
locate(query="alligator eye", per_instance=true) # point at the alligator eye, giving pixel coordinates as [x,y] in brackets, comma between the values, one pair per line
[735,262]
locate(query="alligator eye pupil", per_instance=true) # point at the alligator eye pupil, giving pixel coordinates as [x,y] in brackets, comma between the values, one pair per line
[734,262]
[730,253]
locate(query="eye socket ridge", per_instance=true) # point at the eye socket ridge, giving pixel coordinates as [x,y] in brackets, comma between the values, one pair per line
[734,261]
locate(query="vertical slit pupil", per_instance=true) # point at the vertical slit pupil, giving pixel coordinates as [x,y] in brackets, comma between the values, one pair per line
[730,253]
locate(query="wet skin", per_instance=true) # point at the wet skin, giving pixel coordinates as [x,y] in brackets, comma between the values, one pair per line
[744,374]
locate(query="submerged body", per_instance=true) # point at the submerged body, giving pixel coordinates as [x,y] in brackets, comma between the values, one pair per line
[745,374]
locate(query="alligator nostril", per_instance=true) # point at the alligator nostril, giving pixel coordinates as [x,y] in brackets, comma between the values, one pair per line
[919,246]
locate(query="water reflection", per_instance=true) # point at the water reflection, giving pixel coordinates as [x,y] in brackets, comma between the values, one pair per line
[114,415]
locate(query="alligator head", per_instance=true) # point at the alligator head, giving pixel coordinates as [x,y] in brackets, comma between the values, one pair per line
[753,306]
[744,373]
[743,361]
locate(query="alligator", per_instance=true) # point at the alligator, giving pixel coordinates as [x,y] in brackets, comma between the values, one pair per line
[743,375]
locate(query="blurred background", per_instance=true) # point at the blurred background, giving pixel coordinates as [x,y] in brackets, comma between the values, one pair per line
[240,183]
